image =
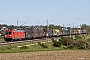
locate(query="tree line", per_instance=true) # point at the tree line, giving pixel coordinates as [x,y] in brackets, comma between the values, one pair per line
[83,26]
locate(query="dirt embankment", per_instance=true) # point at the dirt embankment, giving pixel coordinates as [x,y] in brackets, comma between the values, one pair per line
[48,55]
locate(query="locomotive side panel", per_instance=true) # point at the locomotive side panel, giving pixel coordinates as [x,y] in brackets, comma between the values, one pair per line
[19,34]
[11,35]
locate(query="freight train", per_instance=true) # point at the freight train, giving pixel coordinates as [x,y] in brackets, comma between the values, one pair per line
[11,35]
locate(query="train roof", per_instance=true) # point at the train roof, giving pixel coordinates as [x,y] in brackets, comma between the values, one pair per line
[15,30]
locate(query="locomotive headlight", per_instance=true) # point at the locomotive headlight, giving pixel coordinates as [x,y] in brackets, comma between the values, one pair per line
[5,35]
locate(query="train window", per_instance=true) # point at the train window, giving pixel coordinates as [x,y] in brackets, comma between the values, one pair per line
[7,32]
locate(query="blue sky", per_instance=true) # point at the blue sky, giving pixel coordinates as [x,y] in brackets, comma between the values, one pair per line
[36,12]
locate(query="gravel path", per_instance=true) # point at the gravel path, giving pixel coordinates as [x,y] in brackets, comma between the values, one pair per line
[48,55]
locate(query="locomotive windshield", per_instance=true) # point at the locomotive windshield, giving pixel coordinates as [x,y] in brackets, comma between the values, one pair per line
[7,33]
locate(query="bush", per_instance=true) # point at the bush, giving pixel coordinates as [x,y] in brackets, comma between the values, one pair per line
[89,46]
[78,37]
[65,47]
[88,39]
[66,41]
[81,44]
[39,43]
[24,47]
[43,45]
[57,43]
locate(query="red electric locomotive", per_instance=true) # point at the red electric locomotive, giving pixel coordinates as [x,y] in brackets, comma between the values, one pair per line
[11,35]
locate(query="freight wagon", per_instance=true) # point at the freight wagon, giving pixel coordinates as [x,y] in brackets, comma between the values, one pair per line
[84,31]
[64,32]
[56,32]
[41,33]
[28,34]
[50,33]
[35,33]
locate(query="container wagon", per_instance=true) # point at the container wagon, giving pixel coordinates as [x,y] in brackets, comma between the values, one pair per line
[29,34]
[50,33]
[35,33]
[64,32]
[56,32]
[41,33]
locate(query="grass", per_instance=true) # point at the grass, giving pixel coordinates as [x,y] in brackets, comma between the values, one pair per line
[2,39]
[32,48]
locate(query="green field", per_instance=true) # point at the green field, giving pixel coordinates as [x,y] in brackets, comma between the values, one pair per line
[14,48]
[2,39]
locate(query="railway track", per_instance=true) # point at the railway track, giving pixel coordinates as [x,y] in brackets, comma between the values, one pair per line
[24,41]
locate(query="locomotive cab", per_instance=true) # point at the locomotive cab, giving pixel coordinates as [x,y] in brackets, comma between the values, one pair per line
[8,35]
